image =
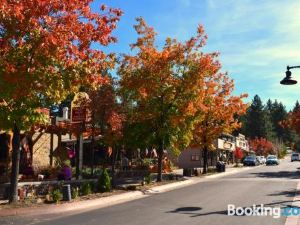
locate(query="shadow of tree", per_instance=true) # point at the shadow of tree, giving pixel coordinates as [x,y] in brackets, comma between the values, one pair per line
[279,174]
[186,210]
[289,193]
[192,210]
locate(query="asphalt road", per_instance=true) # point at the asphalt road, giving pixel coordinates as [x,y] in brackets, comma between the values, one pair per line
[203,203]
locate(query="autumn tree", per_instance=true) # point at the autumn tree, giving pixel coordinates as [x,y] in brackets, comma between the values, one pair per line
[292,123]
[238,155]
[160,88]
[261,146]
[107,116]
[46,54]
[218,109]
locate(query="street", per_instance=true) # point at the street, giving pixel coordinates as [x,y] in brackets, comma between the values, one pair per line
[203,203]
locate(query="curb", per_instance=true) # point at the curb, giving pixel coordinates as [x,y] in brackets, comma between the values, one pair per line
[74,206]
[110,200]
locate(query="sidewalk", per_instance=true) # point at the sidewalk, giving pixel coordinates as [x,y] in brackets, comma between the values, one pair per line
[114,199]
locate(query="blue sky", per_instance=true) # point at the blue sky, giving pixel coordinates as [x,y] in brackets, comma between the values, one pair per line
[257,39]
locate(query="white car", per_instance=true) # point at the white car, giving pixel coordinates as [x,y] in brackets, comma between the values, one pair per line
[261,159]
[295,157]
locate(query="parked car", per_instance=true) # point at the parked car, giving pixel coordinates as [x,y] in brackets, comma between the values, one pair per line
[250,160]
[261,159]
[272,160]
[295,157]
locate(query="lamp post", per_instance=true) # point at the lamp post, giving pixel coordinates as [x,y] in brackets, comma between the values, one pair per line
[288,76]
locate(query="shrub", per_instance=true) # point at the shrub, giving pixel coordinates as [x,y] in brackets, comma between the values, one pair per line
[75,192]
[172,176]
[46,172]
[147,162]
[147,178]
[56,195]
[86,189]
[104,183]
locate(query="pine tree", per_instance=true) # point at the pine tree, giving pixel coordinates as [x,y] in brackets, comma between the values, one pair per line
[297,106]
[257,122]
[278,113]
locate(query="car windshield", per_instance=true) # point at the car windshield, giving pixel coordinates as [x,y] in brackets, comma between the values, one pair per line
[249,158]
[295,154]
[272,157]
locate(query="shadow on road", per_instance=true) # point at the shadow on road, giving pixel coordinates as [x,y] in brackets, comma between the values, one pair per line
[192,211]
[289,193]
[279,174]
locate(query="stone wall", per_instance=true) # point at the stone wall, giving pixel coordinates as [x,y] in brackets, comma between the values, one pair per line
[41,151]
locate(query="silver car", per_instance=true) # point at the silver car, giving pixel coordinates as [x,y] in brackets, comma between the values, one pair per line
[295,157]
[272,160]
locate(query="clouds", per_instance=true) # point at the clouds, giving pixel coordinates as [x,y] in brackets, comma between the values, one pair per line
[257,39]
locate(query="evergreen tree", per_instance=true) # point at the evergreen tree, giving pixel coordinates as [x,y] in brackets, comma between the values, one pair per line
[297,106]
[257,122]
[278,113]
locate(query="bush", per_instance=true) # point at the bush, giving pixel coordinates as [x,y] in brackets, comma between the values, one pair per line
[75,192]
[56,195]
[86,189]
[46,172]
[172,176]
[147,178]
[104,183]
[147,162]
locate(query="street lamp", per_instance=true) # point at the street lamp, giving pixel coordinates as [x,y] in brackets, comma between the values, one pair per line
[288,76]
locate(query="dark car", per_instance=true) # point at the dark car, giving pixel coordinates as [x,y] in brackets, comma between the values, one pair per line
[272,160]
[250,161]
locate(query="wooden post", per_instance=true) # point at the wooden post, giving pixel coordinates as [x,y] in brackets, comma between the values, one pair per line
[51,149]
[80,156]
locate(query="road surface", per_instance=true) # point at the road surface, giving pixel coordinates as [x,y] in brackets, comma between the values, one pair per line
[202,203]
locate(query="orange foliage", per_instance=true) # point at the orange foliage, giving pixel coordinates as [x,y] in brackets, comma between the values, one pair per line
[292,121]
[218,108]
[46,53]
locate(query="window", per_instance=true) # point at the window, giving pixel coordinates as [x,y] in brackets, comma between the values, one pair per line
[195,158]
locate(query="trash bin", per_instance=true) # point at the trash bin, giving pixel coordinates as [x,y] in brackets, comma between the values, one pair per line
[220,166]
[223,167]
[66,191]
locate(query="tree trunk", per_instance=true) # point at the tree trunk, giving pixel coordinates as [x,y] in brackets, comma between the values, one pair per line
[205,157]
[113,177]
[159,166]
[13,197]
[79,157]
[93,154]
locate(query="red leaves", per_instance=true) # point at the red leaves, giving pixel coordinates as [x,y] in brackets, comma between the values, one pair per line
[238,153]
[261,146]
